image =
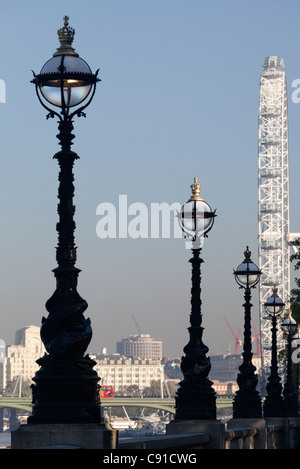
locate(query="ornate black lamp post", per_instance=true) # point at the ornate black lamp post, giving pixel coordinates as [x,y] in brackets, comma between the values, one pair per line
[66,388]
[290,397]
[247,402]
[195,398]
[273,405]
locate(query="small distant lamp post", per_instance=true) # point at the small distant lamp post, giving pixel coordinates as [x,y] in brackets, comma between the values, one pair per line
[290,397]
[273,404]
[66,388]
[247,402]
[195,398]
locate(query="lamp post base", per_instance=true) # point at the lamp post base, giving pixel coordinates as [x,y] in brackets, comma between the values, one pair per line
[62,395]
[195,404]
[247,406]
[291,408]
[290,399]
[273,407]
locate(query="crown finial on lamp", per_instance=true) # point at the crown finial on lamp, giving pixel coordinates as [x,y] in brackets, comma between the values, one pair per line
[247,253]
[196,190]
[66,35]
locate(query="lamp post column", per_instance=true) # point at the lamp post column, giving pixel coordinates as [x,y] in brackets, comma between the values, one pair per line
[273,404]
[247,402]
[195,398]
[290,397]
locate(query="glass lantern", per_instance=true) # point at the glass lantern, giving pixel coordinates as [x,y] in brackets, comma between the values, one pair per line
[274,305]
[196,217]
[247,274]
[289,325]
[65,80]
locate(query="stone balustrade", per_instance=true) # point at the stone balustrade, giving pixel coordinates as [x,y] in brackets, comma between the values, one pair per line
[272,433]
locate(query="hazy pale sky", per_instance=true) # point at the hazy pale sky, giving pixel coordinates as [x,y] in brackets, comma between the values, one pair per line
[178,99]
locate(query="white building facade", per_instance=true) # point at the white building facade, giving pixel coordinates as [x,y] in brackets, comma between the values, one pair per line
[20,360]
[121,371]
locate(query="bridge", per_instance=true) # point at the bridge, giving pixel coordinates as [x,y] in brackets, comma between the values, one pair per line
[264,433]
[166,404]
[21,403]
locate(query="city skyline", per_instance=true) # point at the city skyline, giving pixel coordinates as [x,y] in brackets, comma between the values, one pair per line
[232,351]
[178,99]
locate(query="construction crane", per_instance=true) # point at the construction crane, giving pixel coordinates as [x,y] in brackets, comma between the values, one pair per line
[257,338]
[136,324]
[238,341]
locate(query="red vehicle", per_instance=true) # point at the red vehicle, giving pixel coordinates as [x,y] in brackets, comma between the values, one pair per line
[106,392]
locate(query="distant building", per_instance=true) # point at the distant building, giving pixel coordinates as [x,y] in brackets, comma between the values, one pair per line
[119,371]
[21,358]
[2,350]
[141,346]
[225,389]
[226,367]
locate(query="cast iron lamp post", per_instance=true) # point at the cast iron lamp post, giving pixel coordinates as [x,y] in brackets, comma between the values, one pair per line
[290,398]
[273,404]
[65,388]
[247,402]
[195,398]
